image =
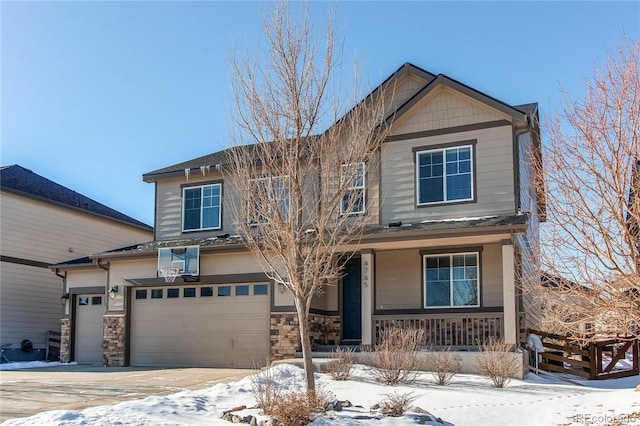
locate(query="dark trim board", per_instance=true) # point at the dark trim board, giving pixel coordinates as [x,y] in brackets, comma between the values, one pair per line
[87,290]
[449,130]
[27,262]
[438,311]
[202,279]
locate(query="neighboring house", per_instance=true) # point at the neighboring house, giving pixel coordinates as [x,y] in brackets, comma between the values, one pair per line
[453,211]
[42,223]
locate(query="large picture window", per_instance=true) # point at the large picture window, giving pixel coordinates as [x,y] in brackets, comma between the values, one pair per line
[444,175]
[202,207]
[353,199]
[451,280]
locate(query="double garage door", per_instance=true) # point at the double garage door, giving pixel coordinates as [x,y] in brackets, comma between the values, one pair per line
[200,325]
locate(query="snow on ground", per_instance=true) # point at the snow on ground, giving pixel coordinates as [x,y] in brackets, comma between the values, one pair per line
[30,364]
[469,399]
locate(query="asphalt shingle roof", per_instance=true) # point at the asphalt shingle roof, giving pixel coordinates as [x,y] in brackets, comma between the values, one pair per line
[21,181]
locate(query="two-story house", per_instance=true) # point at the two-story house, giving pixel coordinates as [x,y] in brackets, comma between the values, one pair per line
[43,222]
[454,212]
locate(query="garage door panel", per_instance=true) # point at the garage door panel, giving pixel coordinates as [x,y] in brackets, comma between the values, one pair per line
[202,331]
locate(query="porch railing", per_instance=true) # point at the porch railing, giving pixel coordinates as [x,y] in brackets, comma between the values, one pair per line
[456,330]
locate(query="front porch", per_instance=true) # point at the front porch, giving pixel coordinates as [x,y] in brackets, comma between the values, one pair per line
[458,331]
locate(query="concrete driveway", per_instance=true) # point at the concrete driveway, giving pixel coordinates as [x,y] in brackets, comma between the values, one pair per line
[27,392]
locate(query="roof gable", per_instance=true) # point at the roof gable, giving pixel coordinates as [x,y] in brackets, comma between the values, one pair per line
[23,182]
[519,117]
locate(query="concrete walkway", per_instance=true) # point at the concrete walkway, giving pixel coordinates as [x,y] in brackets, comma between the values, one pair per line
[27,392]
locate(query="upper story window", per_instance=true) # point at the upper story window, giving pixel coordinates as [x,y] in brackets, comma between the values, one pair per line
[268,190]
[451,280]
[202,207]
[444,175]
[353,201]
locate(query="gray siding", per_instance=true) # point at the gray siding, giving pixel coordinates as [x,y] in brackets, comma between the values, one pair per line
[399,281]
[494,179]
[37,231]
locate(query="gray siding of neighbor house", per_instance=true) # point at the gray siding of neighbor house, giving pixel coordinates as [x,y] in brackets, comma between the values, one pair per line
[399,280]
[41,232]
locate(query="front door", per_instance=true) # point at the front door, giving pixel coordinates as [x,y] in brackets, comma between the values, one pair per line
[351,301]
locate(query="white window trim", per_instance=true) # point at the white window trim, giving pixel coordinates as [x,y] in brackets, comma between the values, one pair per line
[450,305]
[184,190]
[444,175]
[352,188]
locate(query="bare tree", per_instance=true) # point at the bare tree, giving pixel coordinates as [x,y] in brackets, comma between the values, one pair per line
[589,245]
[298,187]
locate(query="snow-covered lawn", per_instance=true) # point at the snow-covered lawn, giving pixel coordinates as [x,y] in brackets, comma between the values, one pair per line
[468,400]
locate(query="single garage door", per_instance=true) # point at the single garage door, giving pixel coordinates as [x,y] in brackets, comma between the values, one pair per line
[89,311]
[204,325]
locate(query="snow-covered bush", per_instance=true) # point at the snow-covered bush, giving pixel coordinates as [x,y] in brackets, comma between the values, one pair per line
[341,363]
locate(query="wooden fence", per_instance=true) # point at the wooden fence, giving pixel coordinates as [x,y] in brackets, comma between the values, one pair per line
[562,355]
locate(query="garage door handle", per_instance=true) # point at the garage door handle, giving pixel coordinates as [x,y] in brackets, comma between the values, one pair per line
[232,343]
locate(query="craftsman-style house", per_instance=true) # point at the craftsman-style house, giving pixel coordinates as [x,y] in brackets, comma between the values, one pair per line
[453,213]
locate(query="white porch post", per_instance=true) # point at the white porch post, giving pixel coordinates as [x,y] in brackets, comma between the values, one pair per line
[509,294]
[367,262]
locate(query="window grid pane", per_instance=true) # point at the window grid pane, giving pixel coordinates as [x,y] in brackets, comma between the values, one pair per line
[202,207]
[451,280]
[444,175]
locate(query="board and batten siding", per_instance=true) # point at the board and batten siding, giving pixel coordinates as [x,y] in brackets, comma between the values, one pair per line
[494,179]
[399,281]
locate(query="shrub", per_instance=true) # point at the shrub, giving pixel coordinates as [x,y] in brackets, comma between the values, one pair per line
[395,405]
[395,360]
[496,362]
[265,389]
[341,363]
[296,408]
[443,365]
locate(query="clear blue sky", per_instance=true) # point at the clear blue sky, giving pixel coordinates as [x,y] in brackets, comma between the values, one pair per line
[94,94]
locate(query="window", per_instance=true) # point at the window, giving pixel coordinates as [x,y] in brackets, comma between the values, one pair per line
[451,280]
[141,294]
[444,175]
[206,291]
[202,207]
[260,289]
[242,290]
[172,293]
[224,291]
[276,189]
[189,292]
[96,300]
[83,300]
[353,200]
[156,293]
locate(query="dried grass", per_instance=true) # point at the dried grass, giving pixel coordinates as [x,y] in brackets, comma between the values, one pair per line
[341,363]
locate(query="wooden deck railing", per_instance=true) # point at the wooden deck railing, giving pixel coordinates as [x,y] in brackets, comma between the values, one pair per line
[562,355]
[456,330]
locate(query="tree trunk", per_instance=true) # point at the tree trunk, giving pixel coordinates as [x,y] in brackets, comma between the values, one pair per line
[305,342]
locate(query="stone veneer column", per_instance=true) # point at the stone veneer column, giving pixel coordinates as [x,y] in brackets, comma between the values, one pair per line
[114,345]
[284,335]
[65,340]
